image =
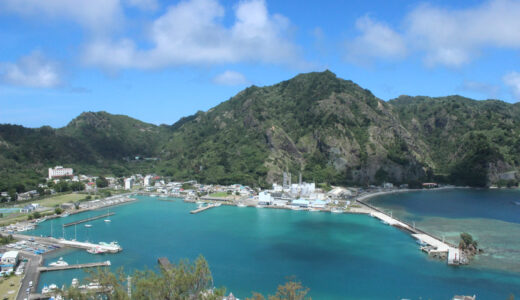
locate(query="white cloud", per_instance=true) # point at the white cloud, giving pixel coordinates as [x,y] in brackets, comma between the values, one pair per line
[512,80]
[33,70]
[230,78]
[449,37]
[95,15]
[455,37]
[192,32]
[377,40]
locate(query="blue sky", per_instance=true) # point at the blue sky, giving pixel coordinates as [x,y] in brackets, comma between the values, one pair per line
[158,61]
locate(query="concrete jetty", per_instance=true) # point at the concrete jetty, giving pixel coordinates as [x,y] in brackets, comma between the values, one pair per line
[77,266]
[201,209]
[88,219]
[110,248]
[436,247]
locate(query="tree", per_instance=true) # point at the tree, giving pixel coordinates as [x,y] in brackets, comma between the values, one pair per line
[77,186]
[101,182]
[36,215]
[467,241]
[62,186]
[58,210]
[291,290]
[182,281]
[13,195]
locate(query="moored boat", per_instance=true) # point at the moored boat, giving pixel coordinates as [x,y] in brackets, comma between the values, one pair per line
[59,263]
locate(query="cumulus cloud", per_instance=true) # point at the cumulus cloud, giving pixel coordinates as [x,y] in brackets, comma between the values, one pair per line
[377,40]
[96,15]
[449,37]
[455,37]
[193,32]
[230,78]
[512,80]
[33,70]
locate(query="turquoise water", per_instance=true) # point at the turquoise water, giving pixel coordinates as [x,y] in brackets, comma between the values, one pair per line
[337,256]
[491,216]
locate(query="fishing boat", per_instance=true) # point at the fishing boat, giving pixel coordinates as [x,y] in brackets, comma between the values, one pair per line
[88,225]
[59,263]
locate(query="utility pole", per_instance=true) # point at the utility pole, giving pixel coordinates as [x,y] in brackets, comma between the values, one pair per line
[129,286]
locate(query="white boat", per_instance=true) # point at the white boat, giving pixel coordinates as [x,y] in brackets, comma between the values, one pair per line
[88,225]
[200,202]
[53,287]
[65,215]
[107,220]
[59,263]
[96,250]
[336,210]
[75,282]
[241,205]
[45,290]
[217,204]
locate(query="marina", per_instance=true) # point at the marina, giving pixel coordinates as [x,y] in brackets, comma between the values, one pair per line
[310,245]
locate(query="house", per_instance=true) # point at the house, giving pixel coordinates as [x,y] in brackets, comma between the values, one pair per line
[10,258]
[318,204]
[27,209]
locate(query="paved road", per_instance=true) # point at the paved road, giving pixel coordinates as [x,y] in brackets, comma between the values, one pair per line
[31,274]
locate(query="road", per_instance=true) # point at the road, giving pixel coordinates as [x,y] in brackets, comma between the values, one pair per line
[31,274]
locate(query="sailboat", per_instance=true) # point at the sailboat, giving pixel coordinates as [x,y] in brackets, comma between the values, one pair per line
[107,220]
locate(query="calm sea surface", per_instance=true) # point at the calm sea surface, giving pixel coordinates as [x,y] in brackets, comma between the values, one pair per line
[338,256]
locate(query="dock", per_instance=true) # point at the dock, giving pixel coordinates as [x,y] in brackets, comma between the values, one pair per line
[86,245]
[77,266]
[88,219]
[201,209]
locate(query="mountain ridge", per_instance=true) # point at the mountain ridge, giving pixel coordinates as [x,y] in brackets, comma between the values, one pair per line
[330,129]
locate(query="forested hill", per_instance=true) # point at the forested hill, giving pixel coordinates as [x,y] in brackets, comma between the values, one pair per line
[330,129]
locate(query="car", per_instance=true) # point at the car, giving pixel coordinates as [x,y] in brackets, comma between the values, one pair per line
[30,283]
[28,290]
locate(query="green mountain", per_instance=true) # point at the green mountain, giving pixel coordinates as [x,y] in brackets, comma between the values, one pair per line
[329,129]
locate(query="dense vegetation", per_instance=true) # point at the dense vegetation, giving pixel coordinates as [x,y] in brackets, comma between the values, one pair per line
[331,130]
[184,280]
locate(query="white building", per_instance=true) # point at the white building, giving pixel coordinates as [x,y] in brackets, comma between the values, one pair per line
[10,258]
[60,171]
[147,180]
[129,183]
[264,198]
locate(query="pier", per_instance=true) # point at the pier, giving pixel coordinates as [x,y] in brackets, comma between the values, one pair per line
[201,209]
[88,219]
[78,266]
[436,246]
